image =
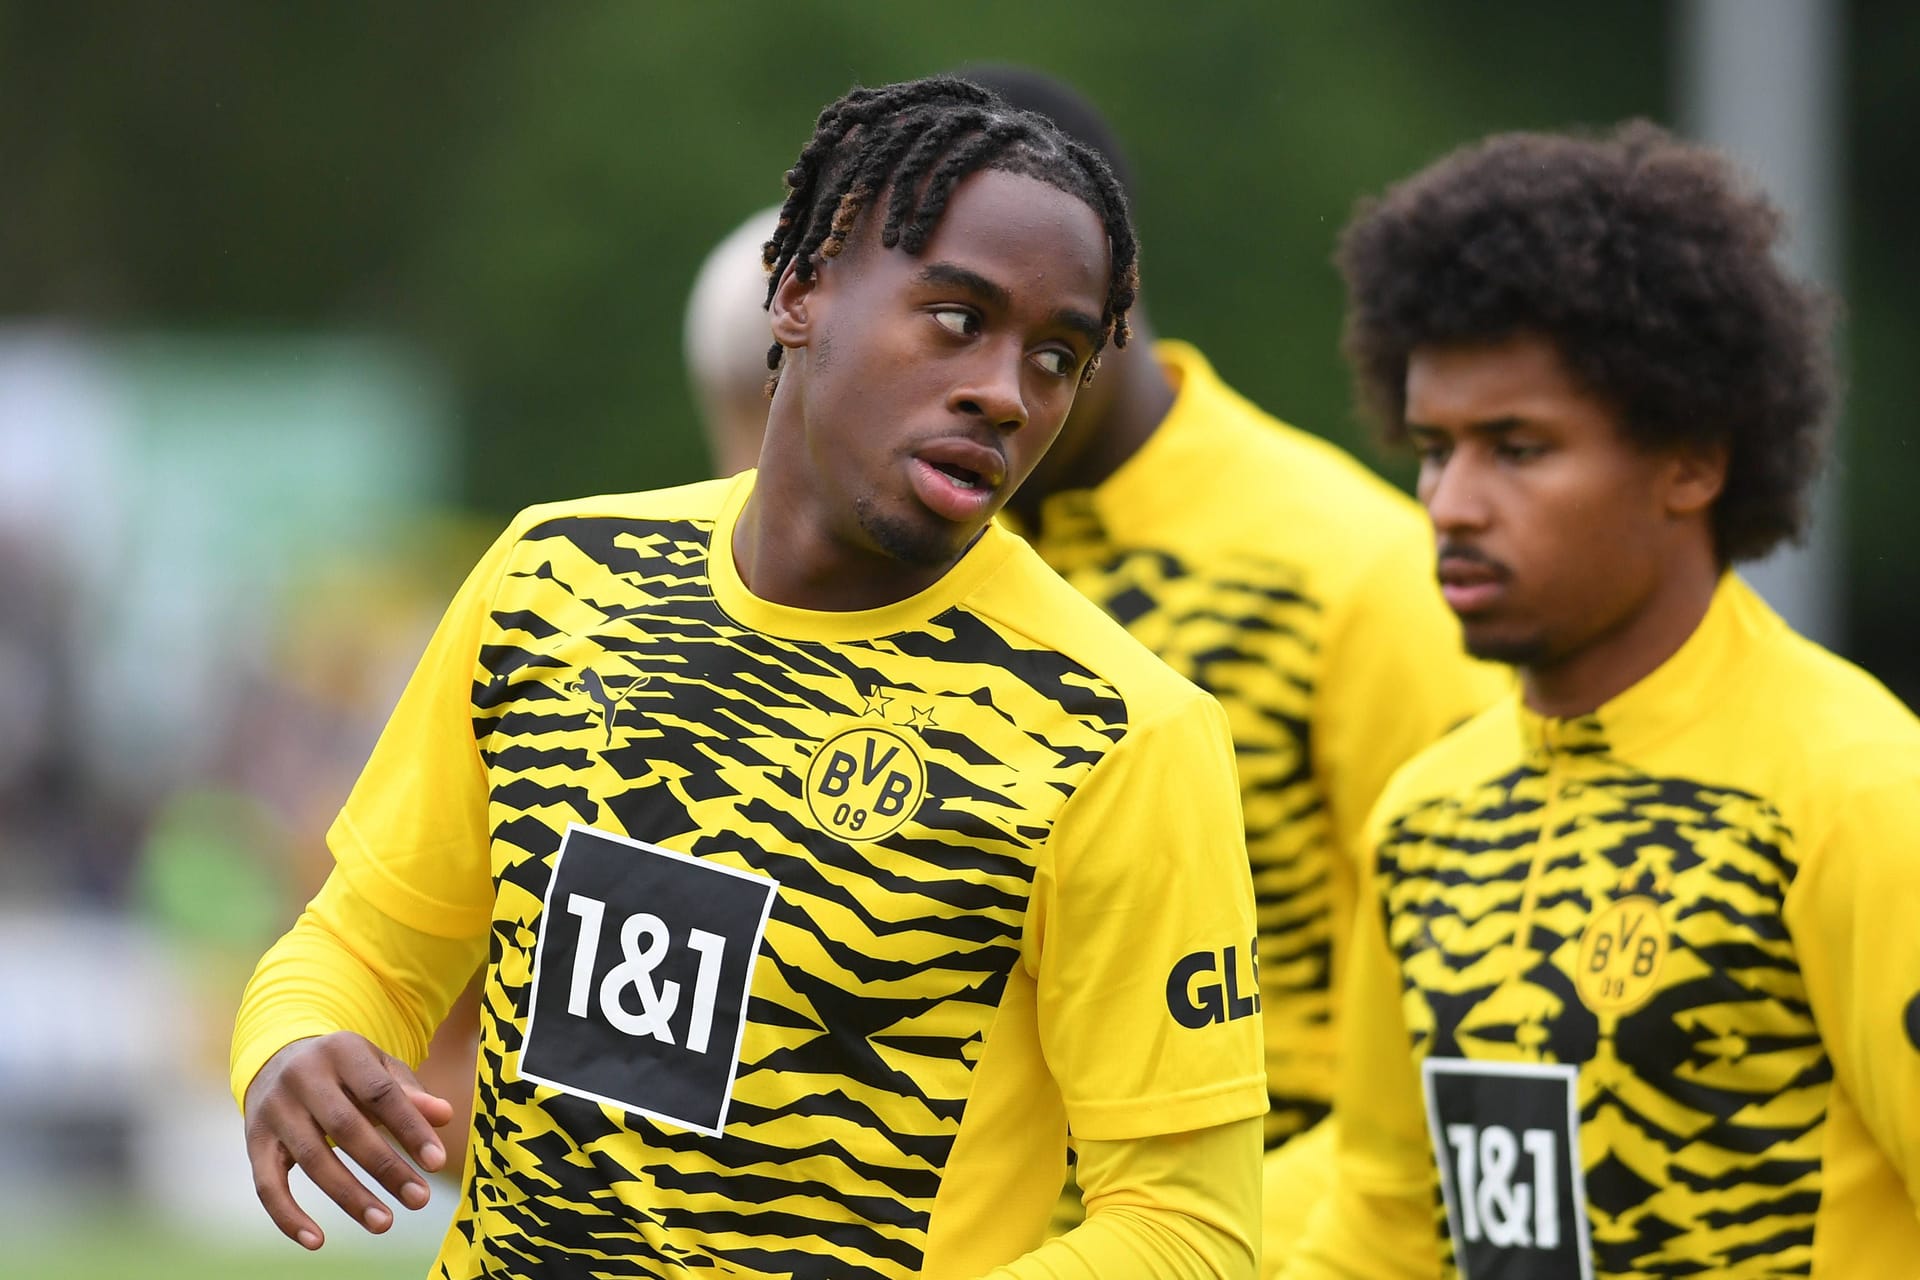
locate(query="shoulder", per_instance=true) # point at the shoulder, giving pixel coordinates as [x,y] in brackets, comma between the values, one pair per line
[700,502]
[1843,731]
[1815,739]
[1837,756]
[1259,485]
[607,529]
[1039,610]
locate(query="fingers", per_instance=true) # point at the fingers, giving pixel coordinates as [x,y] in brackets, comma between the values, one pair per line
[435,1109]
[342,1115]
[271,1164]
[388,1091]
[335,1088]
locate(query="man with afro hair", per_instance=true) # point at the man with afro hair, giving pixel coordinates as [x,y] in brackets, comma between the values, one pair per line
[1635,982]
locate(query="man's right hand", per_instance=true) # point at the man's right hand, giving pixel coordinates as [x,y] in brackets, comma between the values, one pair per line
[336,1088]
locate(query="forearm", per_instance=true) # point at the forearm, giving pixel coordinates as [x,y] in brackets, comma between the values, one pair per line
[1353,1235]
[347,966]
[1374,1212]
[1178,1207]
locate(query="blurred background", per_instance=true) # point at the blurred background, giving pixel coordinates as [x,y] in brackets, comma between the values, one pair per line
[299,302]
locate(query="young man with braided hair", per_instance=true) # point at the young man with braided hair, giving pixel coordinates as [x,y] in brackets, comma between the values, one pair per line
[828,855]
[1638,991]
[1283,577]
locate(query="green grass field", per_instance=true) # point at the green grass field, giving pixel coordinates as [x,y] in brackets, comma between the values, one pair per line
[117,1247]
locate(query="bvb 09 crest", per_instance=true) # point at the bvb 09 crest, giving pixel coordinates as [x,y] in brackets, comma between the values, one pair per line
[865,783]
[1621,953]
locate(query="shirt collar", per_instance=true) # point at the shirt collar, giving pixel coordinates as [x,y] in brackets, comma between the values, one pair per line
[1672,696]
[988,552]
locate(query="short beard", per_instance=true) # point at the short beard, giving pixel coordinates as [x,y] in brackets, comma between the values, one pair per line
[1529,651]
[900,539]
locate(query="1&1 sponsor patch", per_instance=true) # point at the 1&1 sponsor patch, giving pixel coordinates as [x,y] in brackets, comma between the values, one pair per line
[640,978]
[1506,1136]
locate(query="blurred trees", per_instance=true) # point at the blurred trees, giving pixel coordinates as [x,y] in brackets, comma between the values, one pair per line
[525,191]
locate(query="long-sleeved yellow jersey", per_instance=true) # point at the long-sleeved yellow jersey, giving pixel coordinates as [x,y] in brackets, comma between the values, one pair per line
[1639,993]
[807,935]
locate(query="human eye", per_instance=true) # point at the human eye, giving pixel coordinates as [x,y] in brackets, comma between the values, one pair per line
[959,321]
[1518,450]
[1055,361]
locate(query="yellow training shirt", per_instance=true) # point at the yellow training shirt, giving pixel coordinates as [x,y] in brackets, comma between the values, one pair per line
[1647,982]
[808,935]
[1283,577]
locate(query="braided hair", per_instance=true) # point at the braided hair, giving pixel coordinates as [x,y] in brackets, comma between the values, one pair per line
[913,142]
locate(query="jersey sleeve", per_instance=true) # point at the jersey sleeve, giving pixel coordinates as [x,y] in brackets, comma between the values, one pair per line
[412,838]
[1140,938]
[1377,1222]
[1296,1177]
[347,966]
[1851,913]
[1180,1206]
[1396,677]
[401,923]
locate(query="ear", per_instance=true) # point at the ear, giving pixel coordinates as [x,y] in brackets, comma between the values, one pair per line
[792,323]
[1696,474]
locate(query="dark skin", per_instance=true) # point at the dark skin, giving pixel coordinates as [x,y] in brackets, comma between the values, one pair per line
[1567,549]
[916,392]
[340,1086]
[1124,405]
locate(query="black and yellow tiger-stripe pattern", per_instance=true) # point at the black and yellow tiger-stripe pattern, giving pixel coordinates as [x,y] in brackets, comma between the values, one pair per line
[883,965]
[1701,1098]
[1244,628]
[1674,936]
[1284,578]
[810,936]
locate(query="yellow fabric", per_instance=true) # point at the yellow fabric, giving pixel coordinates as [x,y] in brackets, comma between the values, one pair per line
[1747,1071]
[1178,1207]
[1294,1179]
[347,964]
[999,831]
[1297,587]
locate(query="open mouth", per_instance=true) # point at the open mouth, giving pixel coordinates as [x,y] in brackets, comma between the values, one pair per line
[960,475]
[952,489]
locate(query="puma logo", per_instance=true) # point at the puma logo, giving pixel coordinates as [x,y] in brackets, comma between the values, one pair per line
[611,704]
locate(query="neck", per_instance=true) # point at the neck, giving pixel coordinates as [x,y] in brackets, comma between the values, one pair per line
[1136,403]
[1614,662]
[786,553]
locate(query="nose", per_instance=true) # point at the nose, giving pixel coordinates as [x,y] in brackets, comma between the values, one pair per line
[989,387]
[1455,494]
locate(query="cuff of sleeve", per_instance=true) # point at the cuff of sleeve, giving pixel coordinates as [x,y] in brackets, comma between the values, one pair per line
[1126,1118]
[249,1057]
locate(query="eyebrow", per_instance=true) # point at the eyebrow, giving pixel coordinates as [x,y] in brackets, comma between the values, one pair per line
[1082,323]
[958,277]
[954,276]
[1491,427]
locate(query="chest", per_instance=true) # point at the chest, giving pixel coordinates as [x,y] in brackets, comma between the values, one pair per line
[719,852]
[1587,913]
[900,791]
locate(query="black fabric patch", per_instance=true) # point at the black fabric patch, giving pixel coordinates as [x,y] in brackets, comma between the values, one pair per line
[641,978]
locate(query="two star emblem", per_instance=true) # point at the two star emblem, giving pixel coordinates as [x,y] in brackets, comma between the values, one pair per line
[878,702]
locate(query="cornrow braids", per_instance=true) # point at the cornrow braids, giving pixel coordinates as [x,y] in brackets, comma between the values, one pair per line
[915,142]
[961,161]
